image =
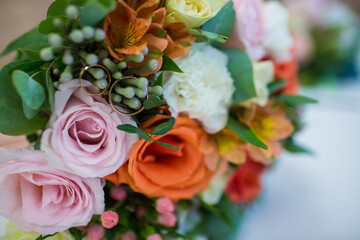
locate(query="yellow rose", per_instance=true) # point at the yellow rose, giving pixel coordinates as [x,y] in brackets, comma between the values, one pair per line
[13,232]
[192,12]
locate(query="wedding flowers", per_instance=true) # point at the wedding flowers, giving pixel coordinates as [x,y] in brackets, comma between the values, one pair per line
[157,171]
[192,12]
[204,90]
[39,198]
[82,137]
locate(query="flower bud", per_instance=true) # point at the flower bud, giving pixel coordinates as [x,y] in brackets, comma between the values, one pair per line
[56,71]
[92,59]
[141,82]
[76,36]
[109,219]
[68,59]
[72,12]
[168,220]
[138,58]
[95,232]
[57,22]
[129,235]
[165,206]
[145,51]
[127,92]
[47,54]
[110,65]
[89,32]
[116,98]
[66,77]
[154,237]
[133,103]
[121,65]
[117,75]
[99,35]
[140,93]
[55,39]
[156,90]
[118,193]
[101,83]
[97,73]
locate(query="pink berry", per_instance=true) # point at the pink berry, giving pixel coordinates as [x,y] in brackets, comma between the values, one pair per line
[140,212]
[165,206]
[130,235]
[154,237]
[109,219]
[118,193]
[95,232]
[168,220]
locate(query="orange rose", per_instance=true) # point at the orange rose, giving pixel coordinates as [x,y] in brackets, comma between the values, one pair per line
[157,171]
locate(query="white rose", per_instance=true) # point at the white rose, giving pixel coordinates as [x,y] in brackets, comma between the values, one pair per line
[263,75]
[204,91]
[278,40]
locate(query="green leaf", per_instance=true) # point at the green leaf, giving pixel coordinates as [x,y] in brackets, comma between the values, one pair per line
[93,13]
[293,147]
[31,40]
[29,113]
[30,91]
[159,80]
[245,133]
[164,127]
[50,87]
[132,129]
[241,69]
[12,118]
[296,100]
[76,233]
[57,8]
[167,145]
[170,65]
[30,54]
[44,237]
[276,86]
[47,26]
[209,35]
[153,101]
[223,23]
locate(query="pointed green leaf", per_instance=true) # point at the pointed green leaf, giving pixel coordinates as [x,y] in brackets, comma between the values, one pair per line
[209,35]
[276,86]
[159,80]
[246,133]
[30,91]
[164,127]
[29,113]
[296,100]
[170,65]
[132,129]
[153,101]
[167,145]
[93,13]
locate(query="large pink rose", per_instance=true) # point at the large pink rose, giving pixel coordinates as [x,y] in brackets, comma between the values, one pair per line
[249,31]
[39,198]
[82,137]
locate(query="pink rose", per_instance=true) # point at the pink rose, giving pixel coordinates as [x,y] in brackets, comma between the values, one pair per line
[39,198]
[248,32]
[82,137]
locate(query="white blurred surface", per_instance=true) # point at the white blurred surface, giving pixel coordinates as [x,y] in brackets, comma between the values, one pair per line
[316,197]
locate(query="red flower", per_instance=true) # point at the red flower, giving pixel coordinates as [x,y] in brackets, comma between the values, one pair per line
[245,184]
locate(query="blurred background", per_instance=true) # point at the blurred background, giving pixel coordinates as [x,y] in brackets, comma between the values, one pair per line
[312,197]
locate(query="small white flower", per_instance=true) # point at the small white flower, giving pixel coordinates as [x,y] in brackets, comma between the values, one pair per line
[204,91]
[213,194]
[263,75]
[278,40]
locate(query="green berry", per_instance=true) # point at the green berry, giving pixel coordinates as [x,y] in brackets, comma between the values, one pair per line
[72,12]
[57,22]
[117,75]
[47,54]
[92,59]
[110,65]
[156,90]
[133,103]
[127,92]
[121,65]
[97,73]
[66,77]
[145,51]
[116,98]
[76,36]
[89,32]
[138,58]
[99,35]
[68,59]
[55,39]
[101,83]
[140,93]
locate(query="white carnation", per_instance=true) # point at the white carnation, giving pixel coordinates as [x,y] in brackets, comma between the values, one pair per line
[278,40]
[204,91]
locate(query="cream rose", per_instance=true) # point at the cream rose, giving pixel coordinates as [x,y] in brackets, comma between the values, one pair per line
[82,137]
[192,12]
[278,41]
[204,91]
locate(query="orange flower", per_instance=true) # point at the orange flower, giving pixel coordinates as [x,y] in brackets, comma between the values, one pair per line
[271,125]
[156,171]
[288,71]
[137,24]
[245,184]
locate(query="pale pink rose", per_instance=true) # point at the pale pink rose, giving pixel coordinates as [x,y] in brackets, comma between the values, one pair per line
[165,206]
[248,32]
[168,220]
[39,198]
[109,219]
[82,137]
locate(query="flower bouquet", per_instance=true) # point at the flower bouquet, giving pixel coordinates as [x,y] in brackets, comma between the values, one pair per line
[146,119]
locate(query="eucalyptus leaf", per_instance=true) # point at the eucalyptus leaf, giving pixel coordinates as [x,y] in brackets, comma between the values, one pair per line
[50,87]
[57,8]
[164,127]
[13,121]
[29,113]
[30,91]
[223,23]
[32,55]
[246,133]
[93,13]
[291,146]
[47,26]
[241,70]
[209,35]
[132,129]
[167,145]
[296,100]
[170,65]
[33,40]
